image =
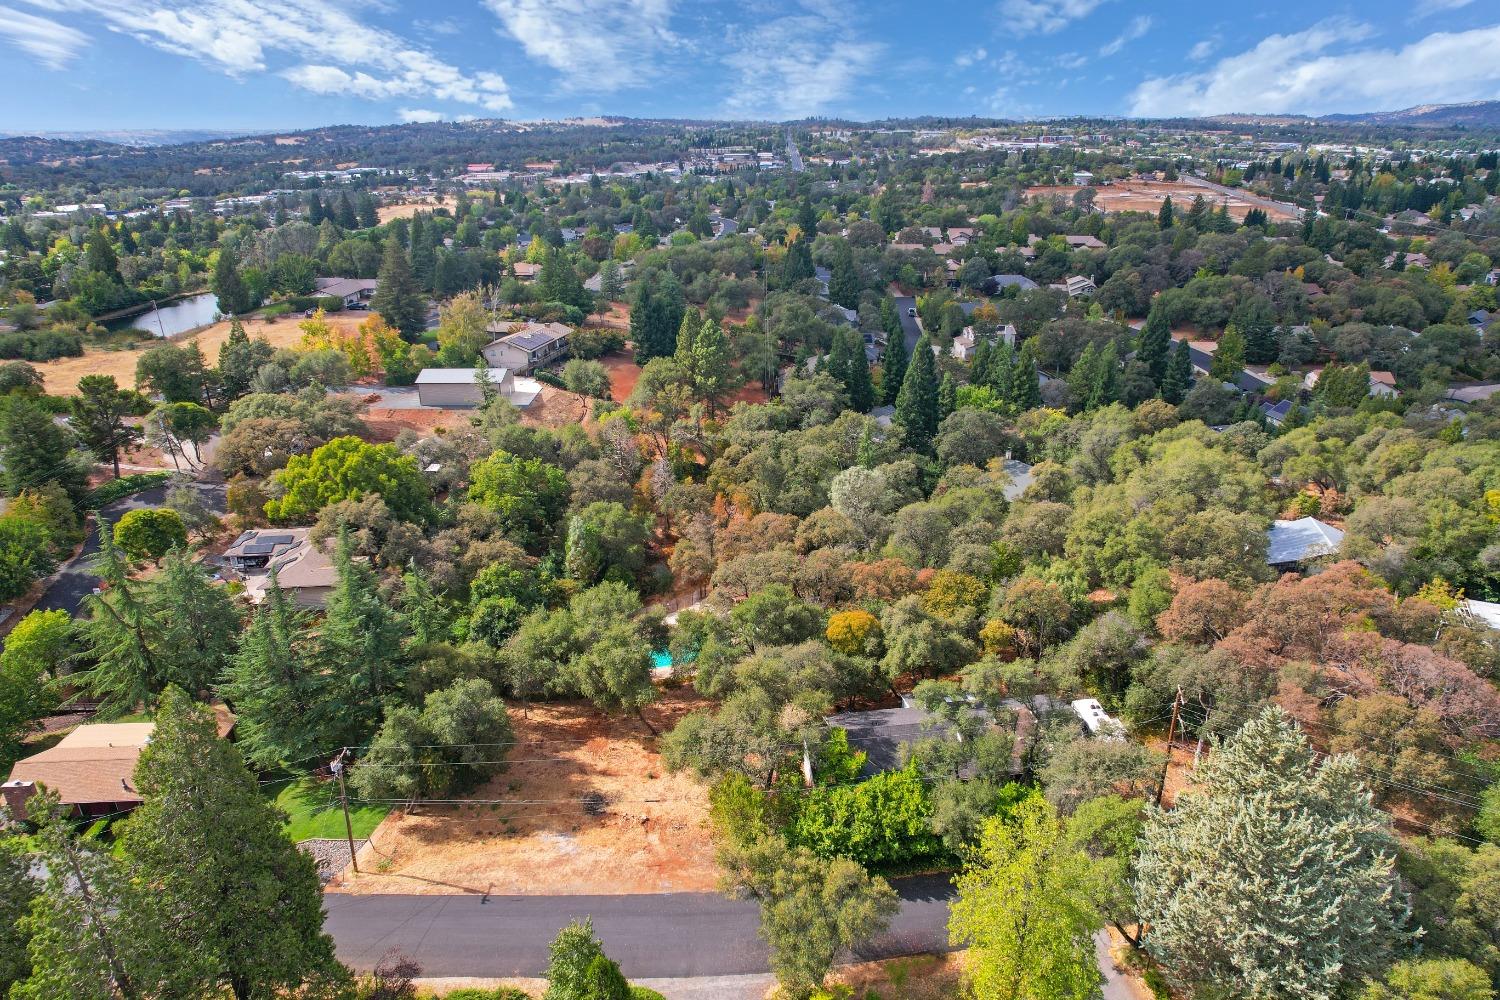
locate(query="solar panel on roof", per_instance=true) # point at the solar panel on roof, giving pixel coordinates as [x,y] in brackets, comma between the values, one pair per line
[277,539]
[258,549]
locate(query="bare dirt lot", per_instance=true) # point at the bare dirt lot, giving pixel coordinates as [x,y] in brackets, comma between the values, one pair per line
[63,374]
[650,837]
[1147,196]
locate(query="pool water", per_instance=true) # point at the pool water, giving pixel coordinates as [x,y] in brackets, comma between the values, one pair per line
[661,659]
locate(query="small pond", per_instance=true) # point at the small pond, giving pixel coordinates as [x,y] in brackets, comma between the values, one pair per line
[169,320]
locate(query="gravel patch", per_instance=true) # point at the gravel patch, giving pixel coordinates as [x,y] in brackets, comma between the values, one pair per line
[332,855]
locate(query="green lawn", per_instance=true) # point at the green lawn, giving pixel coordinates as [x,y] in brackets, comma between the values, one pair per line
[313,810]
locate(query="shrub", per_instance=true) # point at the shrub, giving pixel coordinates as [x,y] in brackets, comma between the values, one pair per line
[150,533]
[115,489]
[39,345]
[883,821]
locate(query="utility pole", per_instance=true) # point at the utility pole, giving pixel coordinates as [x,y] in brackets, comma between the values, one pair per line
[337,767]
[1161,785]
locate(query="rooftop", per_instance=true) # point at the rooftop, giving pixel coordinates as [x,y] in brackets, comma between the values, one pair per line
[458,376]
[1300,540]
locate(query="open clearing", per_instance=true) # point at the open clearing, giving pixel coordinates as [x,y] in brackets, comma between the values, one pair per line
[1147,196]
[651,836]
[406,209]
[63,374]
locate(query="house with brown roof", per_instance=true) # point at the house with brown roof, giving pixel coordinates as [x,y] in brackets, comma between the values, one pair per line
[91,770]
[523,347]
[304,569]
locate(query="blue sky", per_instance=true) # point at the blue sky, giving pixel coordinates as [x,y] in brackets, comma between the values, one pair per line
[281,64]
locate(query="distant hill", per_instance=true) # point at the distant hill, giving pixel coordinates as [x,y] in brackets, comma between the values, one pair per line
[1478,113]
[1475,114]
[137,137]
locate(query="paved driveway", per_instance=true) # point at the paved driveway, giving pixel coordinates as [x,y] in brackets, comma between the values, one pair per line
[77,579]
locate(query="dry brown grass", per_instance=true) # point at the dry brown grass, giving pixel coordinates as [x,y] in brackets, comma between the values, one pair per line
[406,209]
[63,374]
[1147,196]
[920,977]
[651,837]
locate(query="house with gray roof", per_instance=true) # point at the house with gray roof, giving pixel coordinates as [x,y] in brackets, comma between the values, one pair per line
[523,347]
[1290,545]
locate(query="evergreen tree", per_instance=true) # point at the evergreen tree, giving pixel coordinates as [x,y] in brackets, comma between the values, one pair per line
[423,252]
[1164,214]
[18,891]
[98,418]
[197,623]
[843,282]
[1082,377]
[1269,838]
[846,362]
[87,937]
[656,315]
[947,397]
[1229,357]
[797,265]
[917,403]
[1002,369]
[1179,377]
[1106,385]
[398,298]
[360,643]
[240,358]
[99,256]
[368,215]
[610,285]
[234,297]
[1025,386]
[979,367]
[1255,318]
[315,214]
[280,697]
[238,904]
[345,216]
[559,282]
[807,221]
[893,365]
[713,374]
[1154,342]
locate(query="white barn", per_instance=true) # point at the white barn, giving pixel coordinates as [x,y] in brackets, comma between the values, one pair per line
[453,387]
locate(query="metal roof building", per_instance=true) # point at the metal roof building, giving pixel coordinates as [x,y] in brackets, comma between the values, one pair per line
[1290,543]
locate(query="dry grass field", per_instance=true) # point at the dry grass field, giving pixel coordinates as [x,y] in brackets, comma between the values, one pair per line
[1147,196]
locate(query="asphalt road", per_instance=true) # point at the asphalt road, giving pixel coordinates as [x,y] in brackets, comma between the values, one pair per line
[671,935]
[793,154]
[908,322]
[77,579]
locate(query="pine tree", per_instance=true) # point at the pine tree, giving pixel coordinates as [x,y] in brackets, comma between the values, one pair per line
[98,418]
[1164,214]
[1174,385]
[360,643]
[1002,369]
[947,397]
[423,252]
[917,403]
[1271,838]
[281,698]
[398,299]
[234,298]
[315,214]
[1082,377]
[610,285]
[979,366]
[118,635]
[345,216]
[369,216]
[893,365]
[807,221]
[713,374]
[237,903]
[846,362]
[1106,386]
[797,265]
[656,316]
[197,624]
[1025,386]
[843,282]
[1153,344]
[1229,358]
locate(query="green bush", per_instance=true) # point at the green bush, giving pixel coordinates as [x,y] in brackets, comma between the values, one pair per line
[642,993]
[499,993]
[886,820]
[116,489]
[39,345]
[329,303]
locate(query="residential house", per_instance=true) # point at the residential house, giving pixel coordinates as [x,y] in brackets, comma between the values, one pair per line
[459,387]
[1290,545]
[91,770]
[967,342]
[960,236]
[1020,477]
[1472,393]
[1076,286]
[1480,319]
[353,291]
[1381,383]
[1018,281]
[1082,178]
[1486,611]
[521,348]
[304,569]
[526,272]
[1085,242]
[1276,413]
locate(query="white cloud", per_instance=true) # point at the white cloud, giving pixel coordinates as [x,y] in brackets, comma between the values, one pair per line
[53,45]
[1138,27]
[1073,60]
[331,51]
[598,45]
[966,59]
[1438,6]
[1044,17]
[1204,49]
[1297,73]
[420,115]
[795,66]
